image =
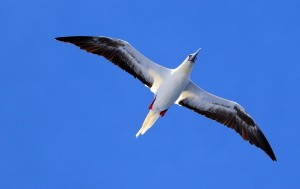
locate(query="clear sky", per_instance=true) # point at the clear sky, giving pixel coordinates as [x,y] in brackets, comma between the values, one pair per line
[68,119]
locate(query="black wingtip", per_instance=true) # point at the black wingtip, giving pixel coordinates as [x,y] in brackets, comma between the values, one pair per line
[59,38]
[260,141]
[270,153]
[273,157]
[64,39]
[263,143]
[72,39]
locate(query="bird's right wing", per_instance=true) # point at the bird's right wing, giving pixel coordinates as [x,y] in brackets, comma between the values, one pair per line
[226,112]
[122,54]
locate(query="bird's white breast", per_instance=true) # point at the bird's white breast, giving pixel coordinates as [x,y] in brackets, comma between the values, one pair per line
[170,90]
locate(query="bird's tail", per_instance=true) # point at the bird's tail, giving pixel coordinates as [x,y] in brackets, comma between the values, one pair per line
[149,121]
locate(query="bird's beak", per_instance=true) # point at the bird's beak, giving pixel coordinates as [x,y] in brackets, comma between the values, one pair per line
[193,57]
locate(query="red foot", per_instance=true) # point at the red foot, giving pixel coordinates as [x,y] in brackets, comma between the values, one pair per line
[150,107]
[162,113]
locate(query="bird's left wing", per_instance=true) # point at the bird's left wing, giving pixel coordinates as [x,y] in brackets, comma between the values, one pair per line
[226,112]
[122,54]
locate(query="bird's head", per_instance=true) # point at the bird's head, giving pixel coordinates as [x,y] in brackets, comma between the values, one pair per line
[193,57]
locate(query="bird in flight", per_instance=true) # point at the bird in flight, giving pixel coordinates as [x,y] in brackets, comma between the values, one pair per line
[173,86]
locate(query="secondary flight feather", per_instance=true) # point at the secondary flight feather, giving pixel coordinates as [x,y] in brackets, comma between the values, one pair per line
[173,86]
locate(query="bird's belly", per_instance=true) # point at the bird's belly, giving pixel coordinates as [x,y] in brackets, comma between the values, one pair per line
[168,93]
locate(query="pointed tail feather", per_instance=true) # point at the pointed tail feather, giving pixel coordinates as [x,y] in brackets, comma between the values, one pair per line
[149,121]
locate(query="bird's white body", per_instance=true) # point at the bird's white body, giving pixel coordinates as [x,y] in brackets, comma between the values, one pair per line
[172,87]
[168,93]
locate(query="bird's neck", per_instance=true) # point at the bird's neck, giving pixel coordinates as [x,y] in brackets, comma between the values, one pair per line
[185,67]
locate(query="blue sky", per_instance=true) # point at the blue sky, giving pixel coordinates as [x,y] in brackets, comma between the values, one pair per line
[68,119]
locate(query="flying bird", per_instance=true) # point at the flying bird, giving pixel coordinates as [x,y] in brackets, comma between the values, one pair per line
[173,86]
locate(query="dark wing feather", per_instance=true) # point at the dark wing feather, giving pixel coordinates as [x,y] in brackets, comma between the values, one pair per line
[226,112]
[123,55]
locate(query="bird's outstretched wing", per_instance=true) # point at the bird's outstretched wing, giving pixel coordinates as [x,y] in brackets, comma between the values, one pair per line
[122,54]
[226,112]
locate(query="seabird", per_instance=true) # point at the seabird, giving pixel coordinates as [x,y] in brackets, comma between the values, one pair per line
[173,86]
